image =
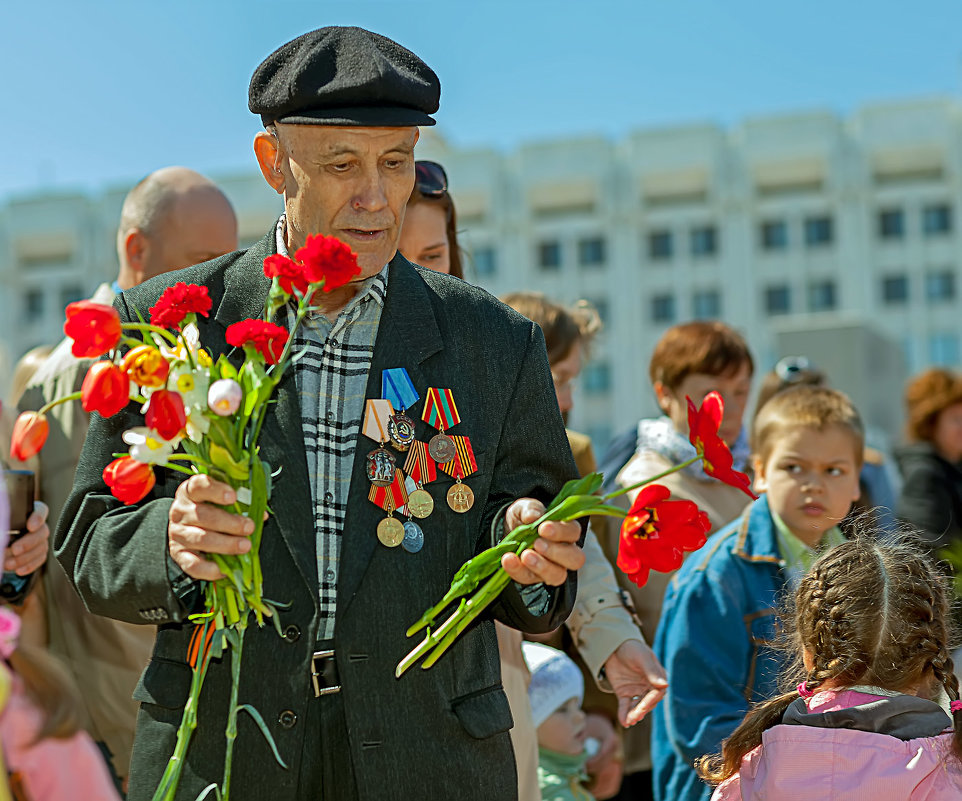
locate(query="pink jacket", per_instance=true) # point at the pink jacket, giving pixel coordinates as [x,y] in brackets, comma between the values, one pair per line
[804,762]
[52,769]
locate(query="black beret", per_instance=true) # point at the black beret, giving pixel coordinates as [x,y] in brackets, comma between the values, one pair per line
[344,76]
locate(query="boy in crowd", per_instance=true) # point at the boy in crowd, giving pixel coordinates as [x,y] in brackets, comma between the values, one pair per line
[718,619]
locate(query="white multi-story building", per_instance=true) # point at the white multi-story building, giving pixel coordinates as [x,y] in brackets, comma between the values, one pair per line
[780,226]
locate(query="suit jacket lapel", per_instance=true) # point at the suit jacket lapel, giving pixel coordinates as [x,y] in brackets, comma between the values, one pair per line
[282,437]
[407,335]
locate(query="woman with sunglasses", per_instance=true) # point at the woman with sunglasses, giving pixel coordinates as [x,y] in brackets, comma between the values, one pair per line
[430,233]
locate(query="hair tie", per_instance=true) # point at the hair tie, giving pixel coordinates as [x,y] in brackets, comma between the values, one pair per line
[804,692]
[956,706]
[9,632]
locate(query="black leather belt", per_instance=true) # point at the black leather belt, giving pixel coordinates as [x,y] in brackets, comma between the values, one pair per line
[324,676]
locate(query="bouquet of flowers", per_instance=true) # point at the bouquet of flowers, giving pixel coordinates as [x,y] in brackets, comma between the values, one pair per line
[655,533]
[200,416]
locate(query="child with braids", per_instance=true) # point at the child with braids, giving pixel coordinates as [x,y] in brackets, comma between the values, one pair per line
[718,623]
[872,645]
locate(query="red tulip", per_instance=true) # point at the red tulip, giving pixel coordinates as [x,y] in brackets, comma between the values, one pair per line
[703,426]
[29,434]
[93,327]
[146,366]
[327,258]
[657,531]
[106,389]
[166,414]
[128,479]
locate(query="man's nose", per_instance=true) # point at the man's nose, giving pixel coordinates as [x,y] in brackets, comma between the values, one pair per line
[370,194]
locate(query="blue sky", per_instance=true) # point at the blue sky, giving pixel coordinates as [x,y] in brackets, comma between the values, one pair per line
[99,93]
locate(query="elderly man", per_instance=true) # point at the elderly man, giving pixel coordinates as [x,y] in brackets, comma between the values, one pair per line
[173,218]
[341,106]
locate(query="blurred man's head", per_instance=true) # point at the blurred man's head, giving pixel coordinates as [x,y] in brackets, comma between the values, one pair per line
[172,219]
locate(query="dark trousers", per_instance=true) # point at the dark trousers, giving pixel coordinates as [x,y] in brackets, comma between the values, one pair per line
[636,787]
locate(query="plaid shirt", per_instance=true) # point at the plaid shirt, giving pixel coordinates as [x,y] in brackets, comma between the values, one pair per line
[331,378]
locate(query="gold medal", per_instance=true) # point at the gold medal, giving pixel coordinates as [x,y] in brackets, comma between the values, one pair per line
[420,503]
[390,531]
[460,497]
[441,448]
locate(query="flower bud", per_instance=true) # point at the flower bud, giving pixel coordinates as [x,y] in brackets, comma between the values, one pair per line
[224,397]
[29,434]
[146,366]
[128,479]
[106,389]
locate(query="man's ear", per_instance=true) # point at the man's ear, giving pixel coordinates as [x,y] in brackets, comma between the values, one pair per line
[266,151]
[760,484]
[136,246]
[662,396]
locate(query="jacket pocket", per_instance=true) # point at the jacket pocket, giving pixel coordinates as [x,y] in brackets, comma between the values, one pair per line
[164,683]
[484,713]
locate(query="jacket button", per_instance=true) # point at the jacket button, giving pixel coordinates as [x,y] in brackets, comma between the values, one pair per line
[287,719]
[292,633]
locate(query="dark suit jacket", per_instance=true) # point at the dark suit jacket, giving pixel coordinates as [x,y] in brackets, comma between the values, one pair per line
[434,734]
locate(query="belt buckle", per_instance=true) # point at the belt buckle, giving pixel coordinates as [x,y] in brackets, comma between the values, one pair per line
[316,674]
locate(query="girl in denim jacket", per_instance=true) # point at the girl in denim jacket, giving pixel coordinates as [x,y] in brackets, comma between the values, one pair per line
[871,635]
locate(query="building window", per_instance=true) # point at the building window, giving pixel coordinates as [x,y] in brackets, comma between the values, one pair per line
[591,252]
[596,378]
[549,255]
[895,290]
[937,219]
[818,231]
[663,308]
[778,299]
[940,286]
[821,296]
[944,349]
[32,305]
[69,294]
[706,304]
[774,235]
[891,224]
[704,241]
[659,245]
[485,262]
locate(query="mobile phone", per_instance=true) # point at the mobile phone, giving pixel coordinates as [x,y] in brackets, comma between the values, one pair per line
[21,489]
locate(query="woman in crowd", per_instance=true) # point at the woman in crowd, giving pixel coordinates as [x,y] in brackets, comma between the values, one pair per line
[430,233]
[931,462]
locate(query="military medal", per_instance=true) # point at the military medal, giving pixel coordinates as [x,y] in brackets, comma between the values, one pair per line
[390,531]
[421,469]
[413,537]
[460,496]
[380,464]
[441,412]
[397,387]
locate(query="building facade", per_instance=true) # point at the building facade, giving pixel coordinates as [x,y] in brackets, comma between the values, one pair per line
[780,225]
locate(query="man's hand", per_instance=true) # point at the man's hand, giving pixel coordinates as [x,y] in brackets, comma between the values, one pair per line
[553,554]
[638,680]
[197,527]
[29,552]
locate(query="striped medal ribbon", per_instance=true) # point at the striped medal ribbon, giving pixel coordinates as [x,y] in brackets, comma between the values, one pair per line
[390,531]
[422,469]
[460,496]
[397,387]
[441,412]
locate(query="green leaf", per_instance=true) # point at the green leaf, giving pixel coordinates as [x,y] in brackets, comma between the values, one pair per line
[221,458]
[206,792]
[224,368]
[264,730]
[586,485]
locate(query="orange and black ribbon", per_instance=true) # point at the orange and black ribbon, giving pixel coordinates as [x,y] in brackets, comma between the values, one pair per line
[419,464]
[440,410]
[464,464]
[199,645]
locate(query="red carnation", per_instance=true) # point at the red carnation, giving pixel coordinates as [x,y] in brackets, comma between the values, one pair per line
[128,479]
[266,338]
[105,389]
[93,327]
[177,302]
[289,274]
[166,414]
[657,532]
[327,259]
[703,426]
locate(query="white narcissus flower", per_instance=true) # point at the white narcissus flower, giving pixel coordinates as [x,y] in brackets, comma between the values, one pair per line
[148,446]
[191,384]
[198,423]
[224,397]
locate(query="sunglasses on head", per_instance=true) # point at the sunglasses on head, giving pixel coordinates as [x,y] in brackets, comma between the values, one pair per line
[793,368]
[430,178]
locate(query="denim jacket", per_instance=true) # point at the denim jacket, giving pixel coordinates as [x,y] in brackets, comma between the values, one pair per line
[715,641]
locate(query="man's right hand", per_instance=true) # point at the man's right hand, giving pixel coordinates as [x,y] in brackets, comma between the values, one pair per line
[197,527]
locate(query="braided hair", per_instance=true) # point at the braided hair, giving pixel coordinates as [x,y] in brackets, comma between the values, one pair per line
[869,612]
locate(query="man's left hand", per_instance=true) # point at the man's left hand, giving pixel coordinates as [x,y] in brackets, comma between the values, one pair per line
[553,554]
[638,679]
[29,552]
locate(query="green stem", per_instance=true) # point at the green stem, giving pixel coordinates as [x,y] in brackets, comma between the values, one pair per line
[179,469]
[57,401]
[152,328]
[189,457]
[651,480]
[235,666]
